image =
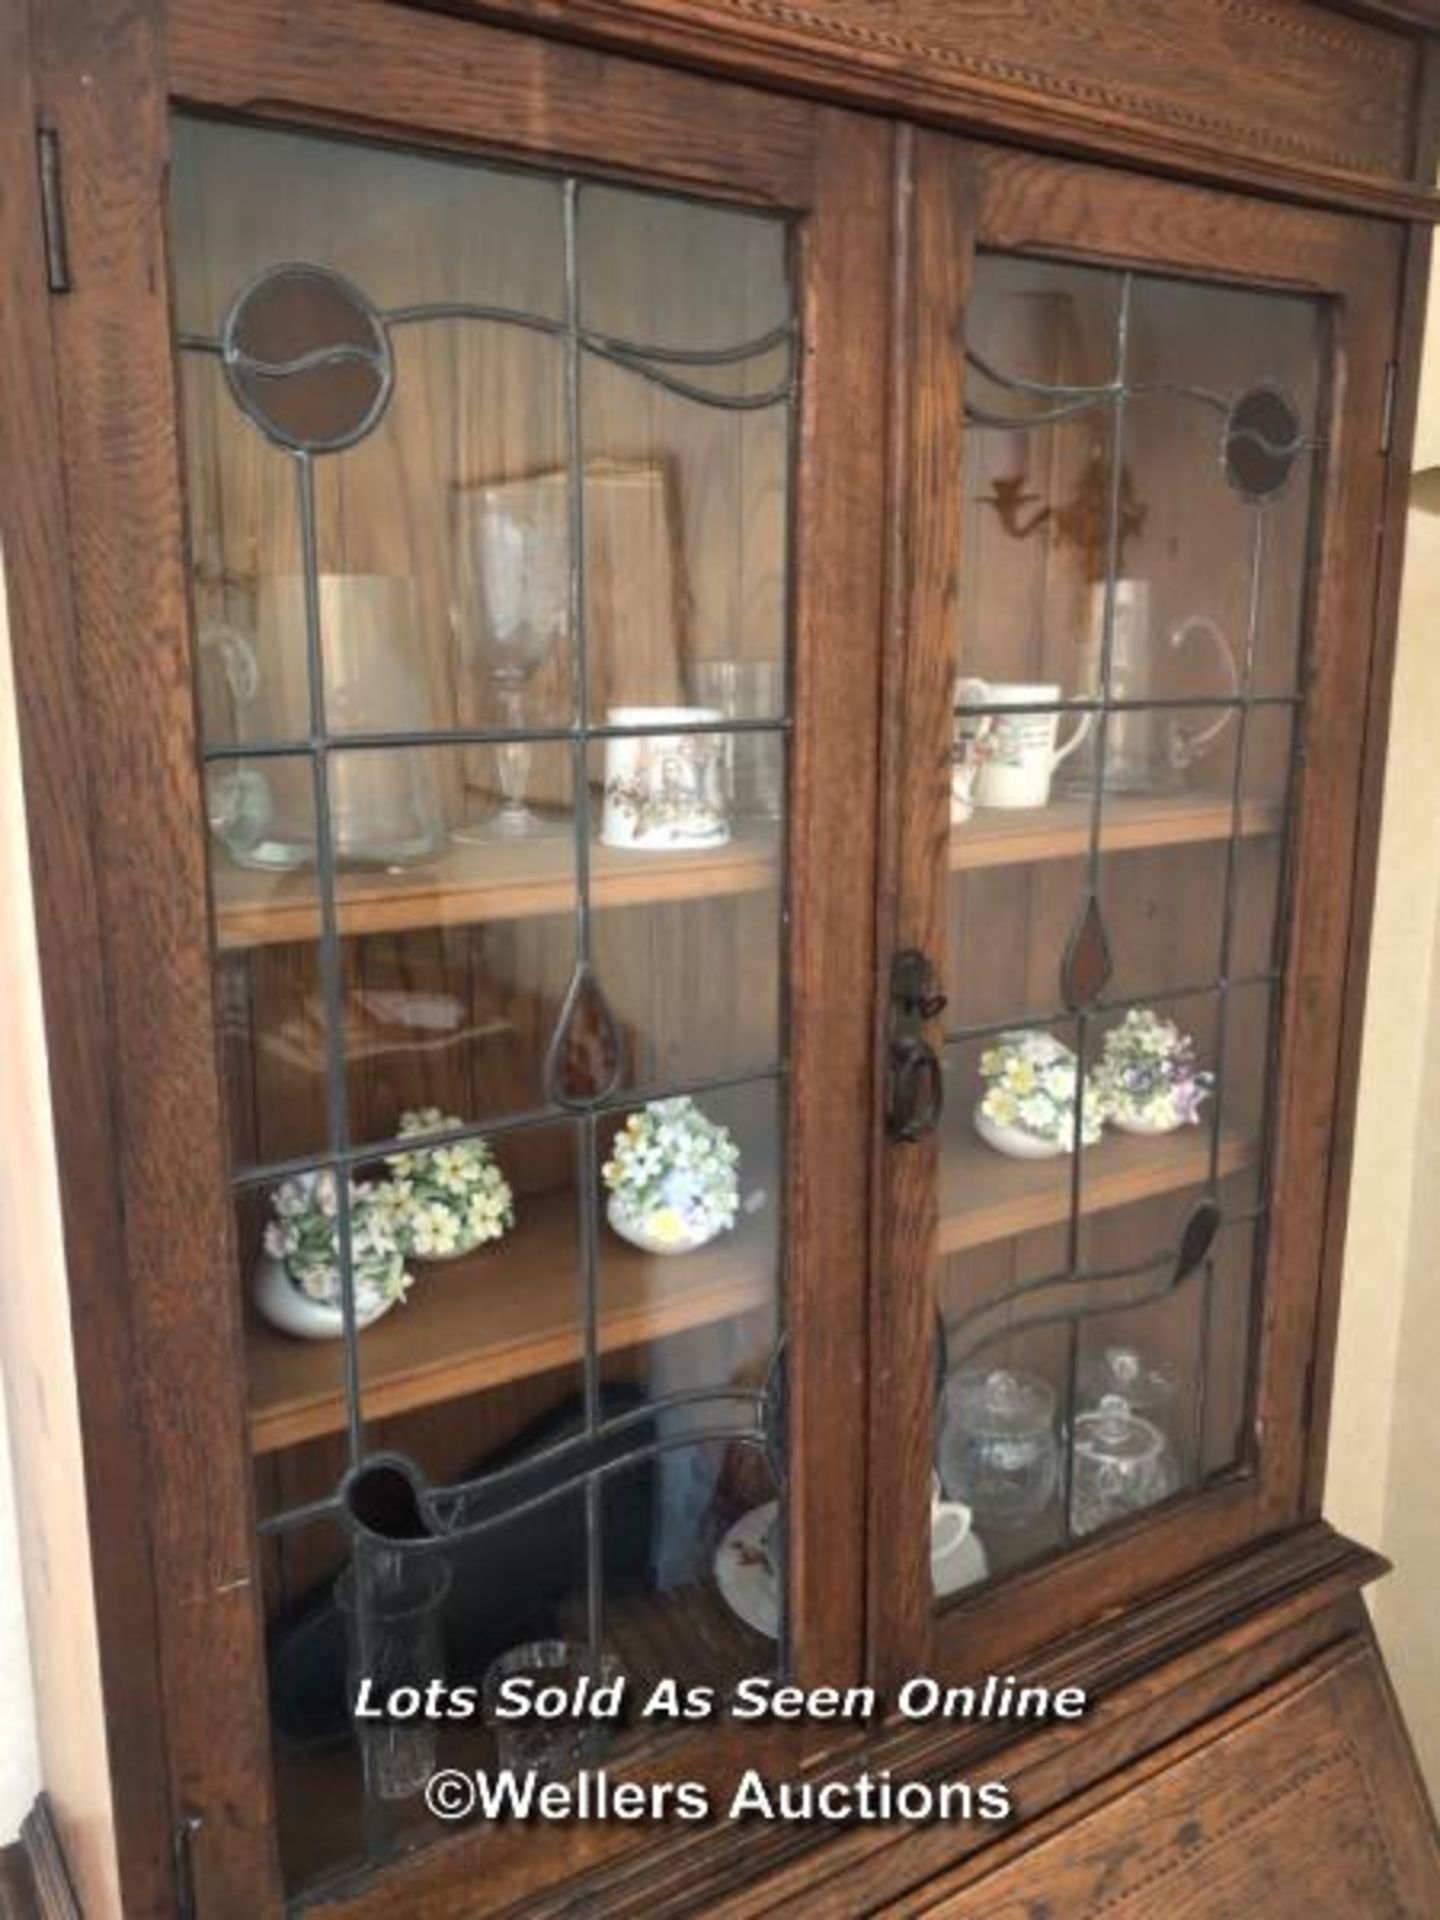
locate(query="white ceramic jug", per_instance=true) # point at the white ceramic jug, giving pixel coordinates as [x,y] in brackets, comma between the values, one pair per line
[1016,751]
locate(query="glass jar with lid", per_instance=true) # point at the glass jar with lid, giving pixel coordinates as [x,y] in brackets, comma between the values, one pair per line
[999,1450]
[1121,1462]
[1148,1386]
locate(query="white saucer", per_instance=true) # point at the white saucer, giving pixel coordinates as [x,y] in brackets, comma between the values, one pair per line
[750,1589]
[747,1581]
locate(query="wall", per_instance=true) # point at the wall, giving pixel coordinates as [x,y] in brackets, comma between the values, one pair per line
[19,1756]
[43,1416]
[1385,1437]
[1406,1611]
[19,1041]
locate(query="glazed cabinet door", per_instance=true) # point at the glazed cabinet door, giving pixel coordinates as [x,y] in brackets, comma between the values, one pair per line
[1143,482]
[526,464]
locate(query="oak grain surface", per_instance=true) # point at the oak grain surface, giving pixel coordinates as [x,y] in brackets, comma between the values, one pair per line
[1254,90]
[1300,1802]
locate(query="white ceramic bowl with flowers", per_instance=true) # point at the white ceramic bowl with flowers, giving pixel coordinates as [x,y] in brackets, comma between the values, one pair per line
[297,1281]
[673,1178]
[450,1199]
[1147,1078]
[1030,1081]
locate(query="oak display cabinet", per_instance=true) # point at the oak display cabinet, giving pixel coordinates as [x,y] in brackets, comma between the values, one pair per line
[777,620]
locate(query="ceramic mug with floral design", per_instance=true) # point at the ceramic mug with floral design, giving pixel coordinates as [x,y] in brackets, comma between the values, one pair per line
[665,790]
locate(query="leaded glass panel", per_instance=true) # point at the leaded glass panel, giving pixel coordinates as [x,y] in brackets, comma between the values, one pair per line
[489,478]
[1139,467]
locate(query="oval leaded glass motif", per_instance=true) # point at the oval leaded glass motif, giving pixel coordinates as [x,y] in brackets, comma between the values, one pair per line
[1262,439]
[308,358]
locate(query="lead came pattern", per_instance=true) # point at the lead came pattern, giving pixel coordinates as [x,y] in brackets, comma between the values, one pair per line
[1258,442]
[309,359]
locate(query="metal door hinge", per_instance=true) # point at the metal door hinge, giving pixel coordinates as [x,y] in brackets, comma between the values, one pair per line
[186,1830]
[1387,408]
[52,210]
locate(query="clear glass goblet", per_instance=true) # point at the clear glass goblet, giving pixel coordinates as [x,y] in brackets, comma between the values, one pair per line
[513,550]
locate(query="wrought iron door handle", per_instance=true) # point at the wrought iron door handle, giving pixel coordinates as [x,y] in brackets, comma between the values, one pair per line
[917,1090]
[917,1083]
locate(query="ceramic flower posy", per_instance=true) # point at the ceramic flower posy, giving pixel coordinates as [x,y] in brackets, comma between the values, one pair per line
[448,1199]
[673,1176]
[303,1238]
[1028,1104]
[1147,1078]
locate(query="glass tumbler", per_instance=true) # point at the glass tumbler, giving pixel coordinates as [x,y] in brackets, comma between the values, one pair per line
[551,1748]
[391,1605]
[747,690]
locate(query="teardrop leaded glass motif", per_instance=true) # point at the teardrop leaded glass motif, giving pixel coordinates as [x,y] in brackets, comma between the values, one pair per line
[1088,962]
[584,1059]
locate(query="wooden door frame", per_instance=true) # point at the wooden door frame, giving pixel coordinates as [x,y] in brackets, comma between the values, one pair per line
[114,1822]
[148,1220]
[1009,200]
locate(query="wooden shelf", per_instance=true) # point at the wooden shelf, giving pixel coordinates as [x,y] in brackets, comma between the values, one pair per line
[514,1312]
[499,1316]
[687,1633]
[472,885]
[984,1196]
[1061,831]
